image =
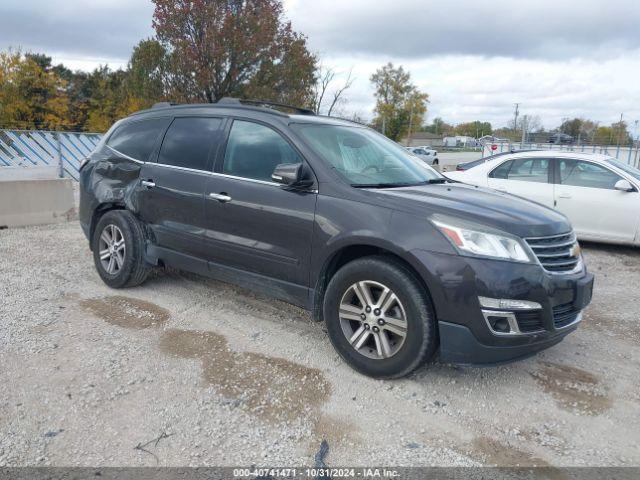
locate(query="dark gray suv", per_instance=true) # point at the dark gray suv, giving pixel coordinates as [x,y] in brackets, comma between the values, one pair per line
[329,215]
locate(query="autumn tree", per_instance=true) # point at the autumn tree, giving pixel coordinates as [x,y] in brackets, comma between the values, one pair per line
[400,106]
[219,48]
[32,95]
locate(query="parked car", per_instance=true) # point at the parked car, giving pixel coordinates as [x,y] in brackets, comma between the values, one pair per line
[428,155]
[598,193]
[333,217]
[560,138]
[461,167]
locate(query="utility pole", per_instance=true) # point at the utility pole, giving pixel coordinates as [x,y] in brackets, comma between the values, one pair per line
[515,119]
[410,126]
[619,130]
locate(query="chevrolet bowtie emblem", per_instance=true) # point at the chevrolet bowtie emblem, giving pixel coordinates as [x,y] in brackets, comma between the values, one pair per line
[575,250]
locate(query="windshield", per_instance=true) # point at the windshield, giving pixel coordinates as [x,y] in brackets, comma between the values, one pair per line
[626,168]
[366,158]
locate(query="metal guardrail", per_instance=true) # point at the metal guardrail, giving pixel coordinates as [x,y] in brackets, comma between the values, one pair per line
[28,148]
[627,154]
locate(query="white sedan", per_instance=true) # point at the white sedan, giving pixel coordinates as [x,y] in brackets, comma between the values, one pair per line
[599,194]
[426,154]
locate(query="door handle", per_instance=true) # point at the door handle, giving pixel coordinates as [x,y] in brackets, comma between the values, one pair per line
[564,195]
[221,197]
[148,183]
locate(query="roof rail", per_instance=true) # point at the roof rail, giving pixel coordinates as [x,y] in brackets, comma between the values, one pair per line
[164,105]
[264,103]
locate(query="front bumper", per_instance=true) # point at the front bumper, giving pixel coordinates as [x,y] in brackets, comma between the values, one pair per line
[456,282]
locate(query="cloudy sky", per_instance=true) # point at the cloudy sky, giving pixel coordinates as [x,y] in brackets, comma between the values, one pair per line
[475,58]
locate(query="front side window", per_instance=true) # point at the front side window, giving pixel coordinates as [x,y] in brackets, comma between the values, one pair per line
[586,174]
[137,139]
[366,158]
[189,142]
[254,151]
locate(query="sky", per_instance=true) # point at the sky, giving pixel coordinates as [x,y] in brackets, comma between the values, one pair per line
[475,59]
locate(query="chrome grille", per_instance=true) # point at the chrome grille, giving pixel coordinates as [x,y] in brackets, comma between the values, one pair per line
[557,253]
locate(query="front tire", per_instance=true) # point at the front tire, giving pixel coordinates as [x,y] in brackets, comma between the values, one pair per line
[118,250]
[379,318]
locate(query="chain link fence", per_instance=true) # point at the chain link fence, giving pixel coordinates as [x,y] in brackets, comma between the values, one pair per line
[37,148]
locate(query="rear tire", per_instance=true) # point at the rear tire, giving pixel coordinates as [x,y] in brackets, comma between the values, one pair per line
[356,329]
[436,162]
[118,250]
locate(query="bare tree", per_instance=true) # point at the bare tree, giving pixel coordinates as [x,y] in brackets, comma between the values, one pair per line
[326,76]
[323,87]
[337,94]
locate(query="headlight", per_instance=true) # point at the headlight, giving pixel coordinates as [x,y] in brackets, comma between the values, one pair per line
[476,242]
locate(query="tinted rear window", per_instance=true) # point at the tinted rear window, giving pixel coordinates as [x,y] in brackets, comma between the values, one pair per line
[190,141]
[137,139]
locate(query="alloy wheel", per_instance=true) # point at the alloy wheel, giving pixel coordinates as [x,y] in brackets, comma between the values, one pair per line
[373,319]
[112,249]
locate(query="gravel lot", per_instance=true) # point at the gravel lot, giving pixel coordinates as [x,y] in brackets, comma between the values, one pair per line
[90,376]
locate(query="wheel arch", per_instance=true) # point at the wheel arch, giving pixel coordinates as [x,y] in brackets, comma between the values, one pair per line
[98,213]
[348,253]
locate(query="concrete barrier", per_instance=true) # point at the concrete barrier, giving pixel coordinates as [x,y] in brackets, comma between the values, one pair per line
[36,202]
[12,174]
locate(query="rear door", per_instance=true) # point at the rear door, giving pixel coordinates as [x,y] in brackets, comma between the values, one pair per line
[253,223]
[173,200]
[585,193]
[526,177]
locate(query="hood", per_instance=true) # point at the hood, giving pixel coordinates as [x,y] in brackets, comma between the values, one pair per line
[484,206]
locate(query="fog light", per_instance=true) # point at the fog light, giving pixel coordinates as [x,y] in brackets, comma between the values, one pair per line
[499,324]
[508,304]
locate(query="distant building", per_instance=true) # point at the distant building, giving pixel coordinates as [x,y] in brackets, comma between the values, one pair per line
[423,139]
[460,141]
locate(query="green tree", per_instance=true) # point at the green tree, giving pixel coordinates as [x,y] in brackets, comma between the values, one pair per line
[475,129]
[439,127]
[400,106]
[145,73]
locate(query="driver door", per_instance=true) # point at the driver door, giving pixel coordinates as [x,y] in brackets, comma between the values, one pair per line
[252,223]
[528,177]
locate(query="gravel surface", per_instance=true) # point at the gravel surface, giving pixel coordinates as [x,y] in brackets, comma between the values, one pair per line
[188,371]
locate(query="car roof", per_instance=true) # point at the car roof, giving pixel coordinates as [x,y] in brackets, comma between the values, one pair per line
[231,109]
[598,157]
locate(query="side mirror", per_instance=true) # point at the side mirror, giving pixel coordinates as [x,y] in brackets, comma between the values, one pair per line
[624,186]
[293,175]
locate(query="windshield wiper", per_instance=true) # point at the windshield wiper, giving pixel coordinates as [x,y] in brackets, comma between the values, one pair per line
[399,185]
[384,185]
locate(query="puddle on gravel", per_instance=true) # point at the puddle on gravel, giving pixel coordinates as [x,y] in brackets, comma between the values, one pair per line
[495,453]
[574,389]
[127,312]
[274,389]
